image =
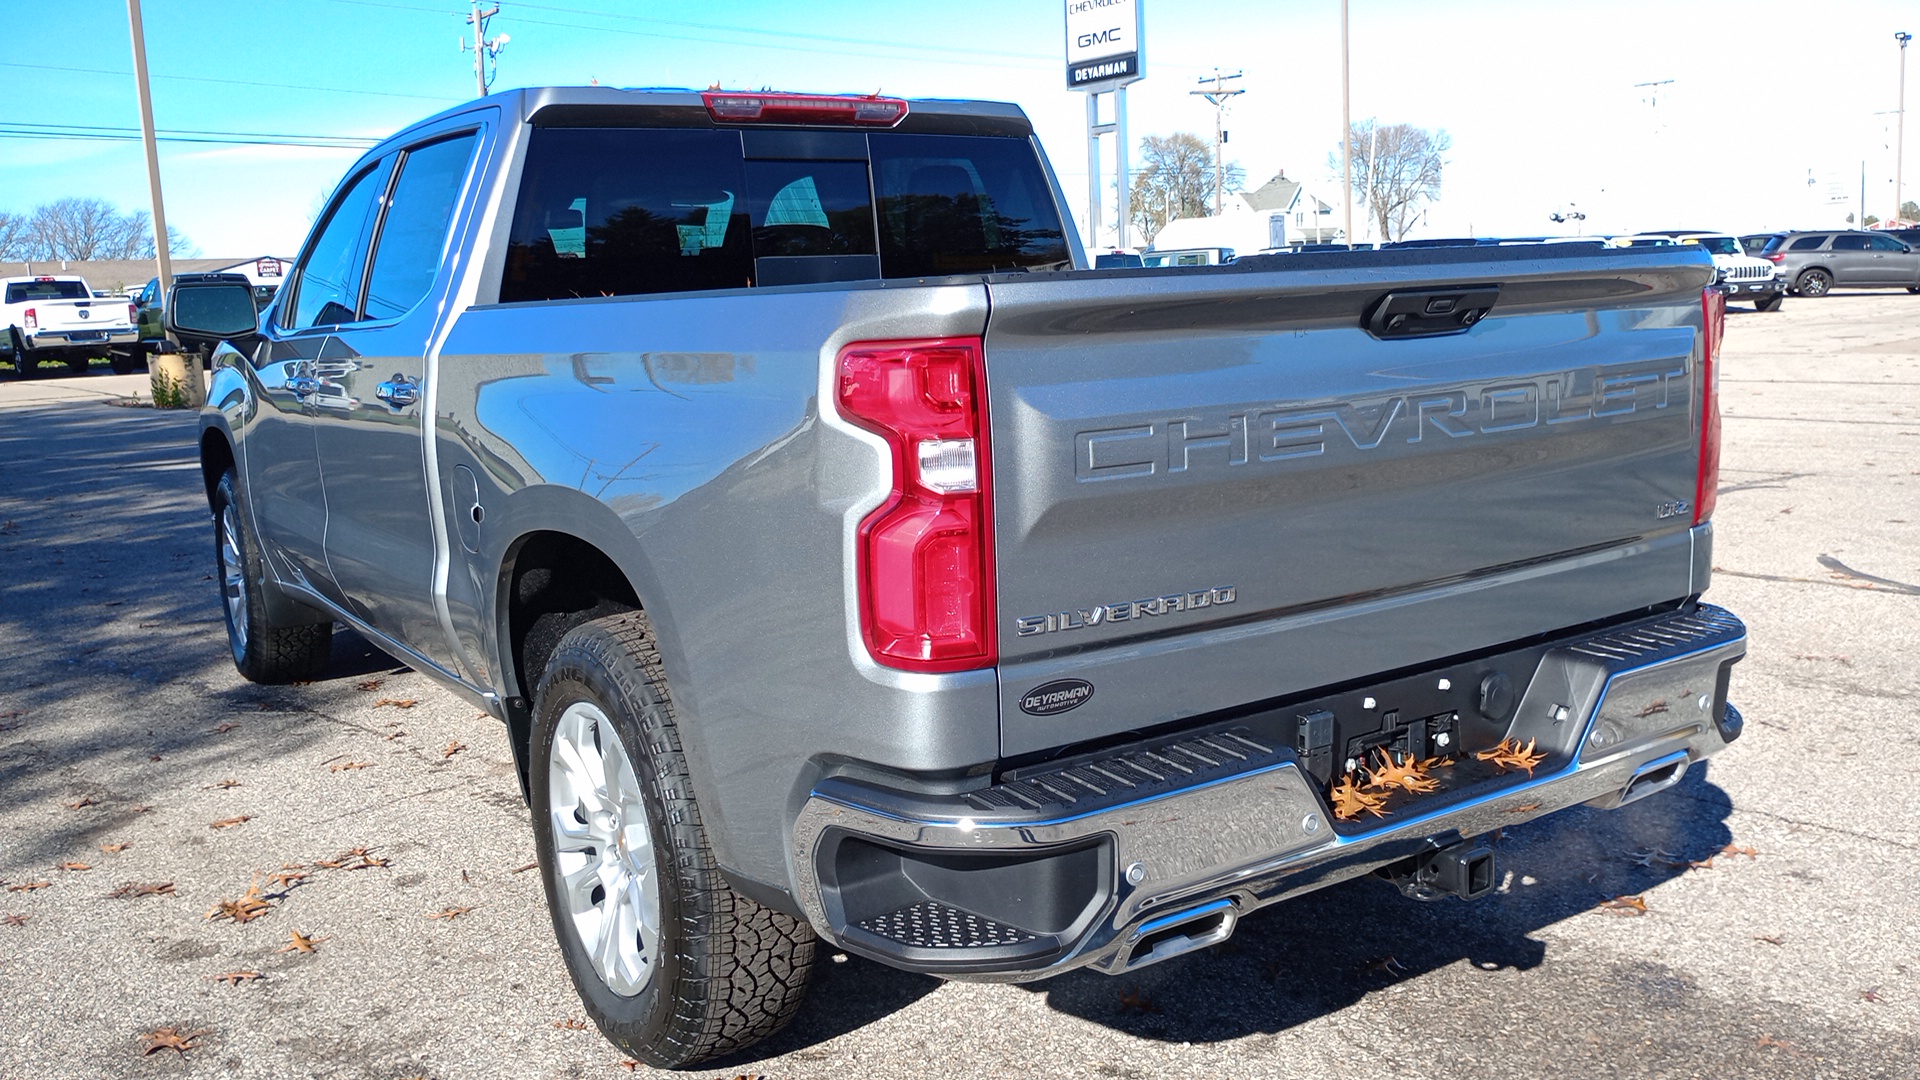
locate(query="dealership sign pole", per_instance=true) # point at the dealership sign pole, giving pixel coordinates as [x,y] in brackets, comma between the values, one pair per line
[1105,52]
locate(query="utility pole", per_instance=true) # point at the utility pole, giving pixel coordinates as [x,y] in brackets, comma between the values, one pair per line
[1900,141]
[483,49]
[1218,96]
[1346,132]
[164,256]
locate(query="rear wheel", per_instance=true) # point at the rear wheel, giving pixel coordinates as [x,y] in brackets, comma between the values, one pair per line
[1768,303]
[1813,283]
[265,649]
[125,361]
[672,964]
[23,363]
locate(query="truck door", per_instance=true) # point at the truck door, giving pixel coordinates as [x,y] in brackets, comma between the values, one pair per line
[283,471]
[380,541]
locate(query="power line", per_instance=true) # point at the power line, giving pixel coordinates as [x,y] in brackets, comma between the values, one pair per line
[233,82]
[86,132]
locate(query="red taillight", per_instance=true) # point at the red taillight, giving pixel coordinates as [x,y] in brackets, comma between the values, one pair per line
[30,320]
[133,313]
[803,109]
[1706,491]
[926,555]
[1775,258]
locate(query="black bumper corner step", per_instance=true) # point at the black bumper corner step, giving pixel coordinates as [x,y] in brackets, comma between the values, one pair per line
[930,924]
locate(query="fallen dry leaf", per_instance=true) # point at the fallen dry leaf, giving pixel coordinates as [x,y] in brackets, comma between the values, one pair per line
[223,728]
[1410,775]
[31,886]
[1509,754]
[230,822]
[1350,800]
[75,867]
[398,703]
[1625,905]
[132,889]
[1872,994]
[299,942]
[1765,1041]
[1769,939]
[1736,849]
[1656,707]
[235,978]
[115,849]
[249,907]
[1386,965]
[173,1039]
[223,785]
[394,735]
[570,1024]
[14,919]
[84,802]
[369,685]
[524,869]
[452,749]
[1136,1001]
[346,766]
[1523,808]
[449,913]
[285,878]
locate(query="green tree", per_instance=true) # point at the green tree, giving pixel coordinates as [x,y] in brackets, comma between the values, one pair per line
[1396,172]
[1910,211]
[1174,180]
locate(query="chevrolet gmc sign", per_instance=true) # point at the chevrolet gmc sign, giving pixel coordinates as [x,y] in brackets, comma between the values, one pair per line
[1103,44]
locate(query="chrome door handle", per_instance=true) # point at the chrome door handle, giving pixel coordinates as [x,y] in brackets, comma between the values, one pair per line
[398,392]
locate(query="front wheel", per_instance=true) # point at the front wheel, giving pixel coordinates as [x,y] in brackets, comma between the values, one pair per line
[1813,283]
[266,650]
[1768,303]
[672,964]
[1913,289]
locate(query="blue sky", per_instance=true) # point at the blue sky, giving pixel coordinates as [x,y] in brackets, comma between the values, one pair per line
[1540,98]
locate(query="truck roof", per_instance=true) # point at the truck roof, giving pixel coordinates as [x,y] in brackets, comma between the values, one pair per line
[608,106]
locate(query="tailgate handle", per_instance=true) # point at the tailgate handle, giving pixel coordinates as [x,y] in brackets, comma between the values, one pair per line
[1429,312]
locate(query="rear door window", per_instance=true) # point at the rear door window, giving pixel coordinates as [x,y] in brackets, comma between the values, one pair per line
[1808,243]
[414,231]
[1849,243]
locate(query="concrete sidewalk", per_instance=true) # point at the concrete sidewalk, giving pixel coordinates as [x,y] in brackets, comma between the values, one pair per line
[49,389]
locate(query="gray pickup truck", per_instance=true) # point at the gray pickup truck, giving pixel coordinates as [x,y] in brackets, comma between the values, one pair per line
[847,561]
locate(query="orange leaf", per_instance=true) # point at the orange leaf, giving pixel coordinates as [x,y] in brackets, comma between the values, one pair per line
[453,748]
[449,913]
[30,886]
[1350,800]
[1509,754]
[299,942]
[173,1039]
[1625,905]
[235,978]
[230,822]
[75,866]
[115,849]
[350,765]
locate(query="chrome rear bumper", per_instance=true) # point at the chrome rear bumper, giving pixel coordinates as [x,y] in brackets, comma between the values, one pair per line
[1098,863]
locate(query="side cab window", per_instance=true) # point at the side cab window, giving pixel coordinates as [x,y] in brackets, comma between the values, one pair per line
[325,285]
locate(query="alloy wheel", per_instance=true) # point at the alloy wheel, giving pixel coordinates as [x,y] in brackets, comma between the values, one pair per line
[233,575]
[603,849]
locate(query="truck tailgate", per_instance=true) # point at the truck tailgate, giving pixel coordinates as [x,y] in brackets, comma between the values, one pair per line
[1216,487]
[81,315]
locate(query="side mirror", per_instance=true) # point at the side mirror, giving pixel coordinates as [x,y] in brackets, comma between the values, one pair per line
[213,311]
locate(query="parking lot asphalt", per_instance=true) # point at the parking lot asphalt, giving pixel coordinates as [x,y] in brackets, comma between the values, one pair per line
[143,785]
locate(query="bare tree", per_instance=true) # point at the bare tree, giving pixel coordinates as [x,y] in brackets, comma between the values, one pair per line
[1396,172]
[1175,179]
[86,228]
[13,237]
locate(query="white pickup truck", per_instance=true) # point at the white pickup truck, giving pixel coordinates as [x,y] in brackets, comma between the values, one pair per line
[55,317]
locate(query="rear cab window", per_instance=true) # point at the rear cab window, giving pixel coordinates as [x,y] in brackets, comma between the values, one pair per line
[622,211]
[21,292]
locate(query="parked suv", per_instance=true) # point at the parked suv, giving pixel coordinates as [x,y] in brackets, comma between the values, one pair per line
[1815,263]
[1741,276]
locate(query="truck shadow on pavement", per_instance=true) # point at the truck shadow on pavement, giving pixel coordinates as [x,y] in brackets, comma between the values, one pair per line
[111,636]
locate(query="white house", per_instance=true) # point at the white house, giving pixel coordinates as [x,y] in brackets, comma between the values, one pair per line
[1280,213]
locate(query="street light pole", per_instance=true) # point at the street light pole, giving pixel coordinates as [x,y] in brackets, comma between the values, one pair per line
[1900,140]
